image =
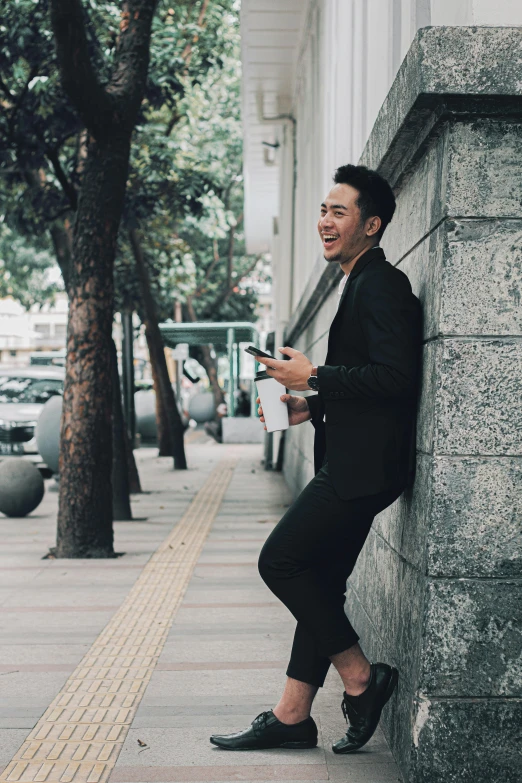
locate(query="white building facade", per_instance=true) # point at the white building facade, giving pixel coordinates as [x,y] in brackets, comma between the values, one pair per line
[324,67]
[429,93]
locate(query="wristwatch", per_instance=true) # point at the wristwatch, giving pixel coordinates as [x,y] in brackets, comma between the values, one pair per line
[313,381]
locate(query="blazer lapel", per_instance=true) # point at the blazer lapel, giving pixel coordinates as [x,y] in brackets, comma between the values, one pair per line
[364,260]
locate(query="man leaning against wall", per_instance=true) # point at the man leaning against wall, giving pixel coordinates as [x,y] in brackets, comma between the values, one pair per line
[364,414]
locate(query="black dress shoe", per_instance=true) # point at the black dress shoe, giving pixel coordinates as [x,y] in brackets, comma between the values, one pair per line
[267,731]
[363,712]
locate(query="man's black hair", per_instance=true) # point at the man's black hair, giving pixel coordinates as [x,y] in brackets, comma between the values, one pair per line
[375,195]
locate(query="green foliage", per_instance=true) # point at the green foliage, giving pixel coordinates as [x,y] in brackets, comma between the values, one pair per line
[25,270]
[184,188]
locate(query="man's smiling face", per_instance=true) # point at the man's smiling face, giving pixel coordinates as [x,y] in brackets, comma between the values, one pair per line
[342,234]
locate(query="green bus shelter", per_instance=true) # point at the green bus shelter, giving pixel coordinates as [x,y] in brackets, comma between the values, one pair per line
[224,336]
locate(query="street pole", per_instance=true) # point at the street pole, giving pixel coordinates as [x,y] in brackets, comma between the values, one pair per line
[127,362]
[230,349]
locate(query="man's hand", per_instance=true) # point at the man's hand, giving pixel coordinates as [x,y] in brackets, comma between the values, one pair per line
[293,374]
[298,410]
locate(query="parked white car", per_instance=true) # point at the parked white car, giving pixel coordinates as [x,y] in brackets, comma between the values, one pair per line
[23,393]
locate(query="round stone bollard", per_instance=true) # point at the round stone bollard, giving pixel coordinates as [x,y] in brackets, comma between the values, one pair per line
[48,432]
[201,407]
[145,406]
[21,487]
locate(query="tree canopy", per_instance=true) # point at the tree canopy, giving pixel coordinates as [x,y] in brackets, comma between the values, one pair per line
[185,184]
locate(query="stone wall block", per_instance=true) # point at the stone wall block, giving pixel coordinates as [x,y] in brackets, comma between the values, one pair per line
[478,408]
[475,517]
[394,602]
[473,639]
[421,203]
[426,412]
[467,741]
[404,524]
[486,168]
[482,279]
[423,266]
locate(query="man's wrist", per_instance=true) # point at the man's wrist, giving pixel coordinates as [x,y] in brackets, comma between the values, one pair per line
[313,380]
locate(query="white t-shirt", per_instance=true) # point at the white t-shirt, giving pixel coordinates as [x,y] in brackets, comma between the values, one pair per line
[342,285]
[345,278]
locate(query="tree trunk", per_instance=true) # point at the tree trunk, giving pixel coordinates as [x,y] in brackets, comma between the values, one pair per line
[134,476]
[121,507]
[207,361]
[171,418]
[61,238]
[85,501]
[165,445]
[210,366]
[108,112]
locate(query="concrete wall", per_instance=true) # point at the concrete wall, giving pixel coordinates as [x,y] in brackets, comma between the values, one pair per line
[448,552]
[346,61]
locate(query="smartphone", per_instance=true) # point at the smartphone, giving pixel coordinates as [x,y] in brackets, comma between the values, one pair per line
[257,352]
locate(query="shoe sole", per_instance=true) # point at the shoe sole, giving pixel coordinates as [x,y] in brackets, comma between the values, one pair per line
[392,684]
[285,745]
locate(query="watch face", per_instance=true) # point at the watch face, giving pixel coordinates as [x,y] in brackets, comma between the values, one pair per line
[312,382]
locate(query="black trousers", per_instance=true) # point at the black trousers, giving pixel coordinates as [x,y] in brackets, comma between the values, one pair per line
[306,561]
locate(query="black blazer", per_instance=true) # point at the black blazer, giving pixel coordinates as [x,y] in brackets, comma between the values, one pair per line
[368,383]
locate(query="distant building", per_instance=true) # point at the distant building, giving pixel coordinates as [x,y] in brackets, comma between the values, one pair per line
[23,332]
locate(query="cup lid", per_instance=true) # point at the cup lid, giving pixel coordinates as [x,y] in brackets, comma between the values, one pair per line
[262,375]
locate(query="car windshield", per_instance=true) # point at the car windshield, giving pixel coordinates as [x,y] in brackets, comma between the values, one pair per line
[19,389]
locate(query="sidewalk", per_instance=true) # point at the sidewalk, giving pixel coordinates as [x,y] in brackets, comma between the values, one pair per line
[148,694]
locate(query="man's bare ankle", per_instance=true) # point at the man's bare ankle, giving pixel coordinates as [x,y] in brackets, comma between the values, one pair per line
[290,715]
[356,684]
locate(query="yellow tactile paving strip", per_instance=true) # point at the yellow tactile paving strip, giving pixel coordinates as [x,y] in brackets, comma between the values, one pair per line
[80,735]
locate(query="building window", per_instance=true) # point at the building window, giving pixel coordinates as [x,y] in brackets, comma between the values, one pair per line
[43,329]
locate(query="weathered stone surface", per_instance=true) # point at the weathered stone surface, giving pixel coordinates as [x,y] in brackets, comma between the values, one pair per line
[426,413]
[442,62]
[422,201]
[468,277]
[475,517]
[485,159]
[404,524]
[467,741]
[482,278]
[423,266]
[478,407]
[449,139]
[473,639]
[392,605]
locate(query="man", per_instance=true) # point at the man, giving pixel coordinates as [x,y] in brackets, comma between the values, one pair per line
[363,414]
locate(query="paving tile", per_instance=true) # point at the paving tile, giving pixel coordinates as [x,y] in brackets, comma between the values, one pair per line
[222,663]
[10,741]
[245,648]
[185,685]
[66,654]
[221,773]
[171,747]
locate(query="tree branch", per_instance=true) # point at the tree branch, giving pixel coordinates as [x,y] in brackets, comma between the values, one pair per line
[101,108]
[67,186]
[220,301]
[131,60]
[78,76]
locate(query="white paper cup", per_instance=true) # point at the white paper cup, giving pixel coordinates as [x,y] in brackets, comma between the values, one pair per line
[275,412]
